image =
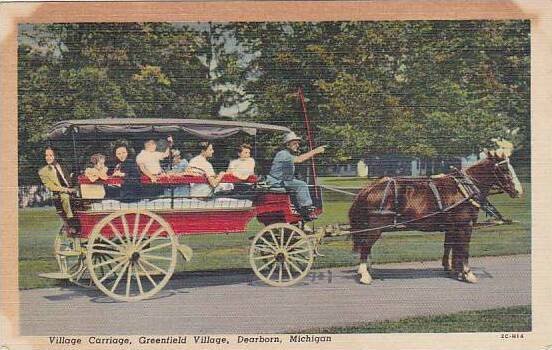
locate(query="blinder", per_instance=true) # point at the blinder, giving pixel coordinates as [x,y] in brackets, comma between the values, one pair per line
[501,168]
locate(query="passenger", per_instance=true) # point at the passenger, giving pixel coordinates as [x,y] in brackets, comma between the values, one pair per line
[201,166]
[56,180]
[126,168]
[243,167]
[149,160]
[94,172]
[282,172]
[96,169]
[179,166]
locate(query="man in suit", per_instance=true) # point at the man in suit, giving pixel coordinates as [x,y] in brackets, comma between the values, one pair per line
[57,181]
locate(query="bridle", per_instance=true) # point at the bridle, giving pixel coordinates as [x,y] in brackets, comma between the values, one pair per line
[499,185]
[499,174]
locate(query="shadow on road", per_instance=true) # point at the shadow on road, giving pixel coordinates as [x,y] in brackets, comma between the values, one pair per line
[182,282]
[409,273]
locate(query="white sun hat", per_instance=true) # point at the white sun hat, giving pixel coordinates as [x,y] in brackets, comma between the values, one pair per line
[291,137]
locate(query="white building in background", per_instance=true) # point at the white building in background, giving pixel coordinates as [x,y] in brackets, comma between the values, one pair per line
[362,169]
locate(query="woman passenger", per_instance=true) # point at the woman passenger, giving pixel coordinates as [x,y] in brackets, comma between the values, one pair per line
[244,166]
[126,168]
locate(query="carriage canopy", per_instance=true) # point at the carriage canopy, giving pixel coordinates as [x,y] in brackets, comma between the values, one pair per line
[114,127]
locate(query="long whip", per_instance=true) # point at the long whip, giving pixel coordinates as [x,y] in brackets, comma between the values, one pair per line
[309,139]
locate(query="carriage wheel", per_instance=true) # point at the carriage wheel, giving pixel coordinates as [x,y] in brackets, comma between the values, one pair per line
[71,259]
[142,250]
[281,255]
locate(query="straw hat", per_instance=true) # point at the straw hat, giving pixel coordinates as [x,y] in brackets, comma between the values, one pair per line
[291,137]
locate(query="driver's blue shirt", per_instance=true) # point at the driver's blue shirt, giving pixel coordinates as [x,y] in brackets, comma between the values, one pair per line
[282,174]
[283,166]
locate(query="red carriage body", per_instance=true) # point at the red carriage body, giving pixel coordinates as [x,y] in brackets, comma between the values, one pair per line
[126,238]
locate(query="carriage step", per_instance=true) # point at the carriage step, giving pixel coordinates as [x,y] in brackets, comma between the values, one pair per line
[55,275]
[69,253]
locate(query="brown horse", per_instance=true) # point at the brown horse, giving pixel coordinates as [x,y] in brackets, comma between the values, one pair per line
[448,203]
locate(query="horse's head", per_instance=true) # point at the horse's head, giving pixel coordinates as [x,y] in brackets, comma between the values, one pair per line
[505,176]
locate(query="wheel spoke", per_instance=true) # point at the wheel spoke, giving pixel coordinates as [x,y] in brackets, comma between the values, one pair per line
[125,226]
[281,236]
[145,230]
[110,252]
[137,276]
[116,283]
[295,267]
[129,280]
[289,239]
[298,259]
[299,251]
[147,274]
[155,257]
[280,270]
[154,266]
[117,233]
[135,228]
[267,264]
[108,241]
[263,257]
[156,247]
[107,262]
[151,238]
[274,249]
[299,242]
[271,272]
[108,246]
[112,271]
[263,249]
[288,271]
[274,238]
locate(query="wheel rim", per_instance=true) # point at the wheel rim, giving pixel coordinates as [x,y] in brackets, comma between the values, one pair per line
[141,253]
[281,255]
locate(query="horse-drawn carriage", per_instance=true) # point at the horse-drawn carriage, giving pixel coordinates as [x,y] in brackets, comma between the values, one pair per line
[129,249]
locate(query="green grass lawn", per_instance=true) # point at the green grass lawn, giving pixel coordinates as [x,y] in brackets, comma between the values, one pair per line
[510,319]
[38,227]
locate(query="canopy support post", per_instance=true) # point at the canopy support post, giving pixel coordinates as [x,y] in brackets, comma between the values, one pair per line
[75,160]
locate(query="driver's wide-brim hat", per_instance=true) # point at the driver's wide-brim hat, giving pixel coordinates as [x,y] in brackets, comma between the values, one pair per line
[291,137]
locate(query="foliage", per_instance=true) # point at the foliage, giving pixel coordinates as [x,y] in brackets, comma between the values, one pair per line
[421,88]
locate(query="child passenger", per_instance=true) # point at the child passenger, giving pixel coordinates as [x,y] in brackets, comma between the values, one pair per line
[149,159]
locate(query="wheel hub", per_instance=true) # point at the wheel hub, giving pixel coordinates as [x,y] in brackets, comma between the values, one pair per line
[134,257]
[280,257]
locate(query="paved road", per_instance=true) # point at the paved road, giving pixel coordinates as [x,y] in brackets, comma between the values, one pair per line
[238,303]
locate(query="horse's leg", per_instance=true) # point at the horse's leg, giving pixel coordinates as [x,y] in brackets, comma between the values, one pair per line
[363,269]
[460,263]
[447,250]
[365,277]
[467,273]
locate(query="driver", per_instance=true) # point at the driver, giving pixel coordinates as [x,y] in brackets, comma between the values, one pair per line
[282,172]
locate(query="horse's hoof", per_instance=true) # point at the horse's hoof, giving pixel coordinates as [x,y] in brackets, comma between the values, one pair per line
[470,277]
[366,279]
